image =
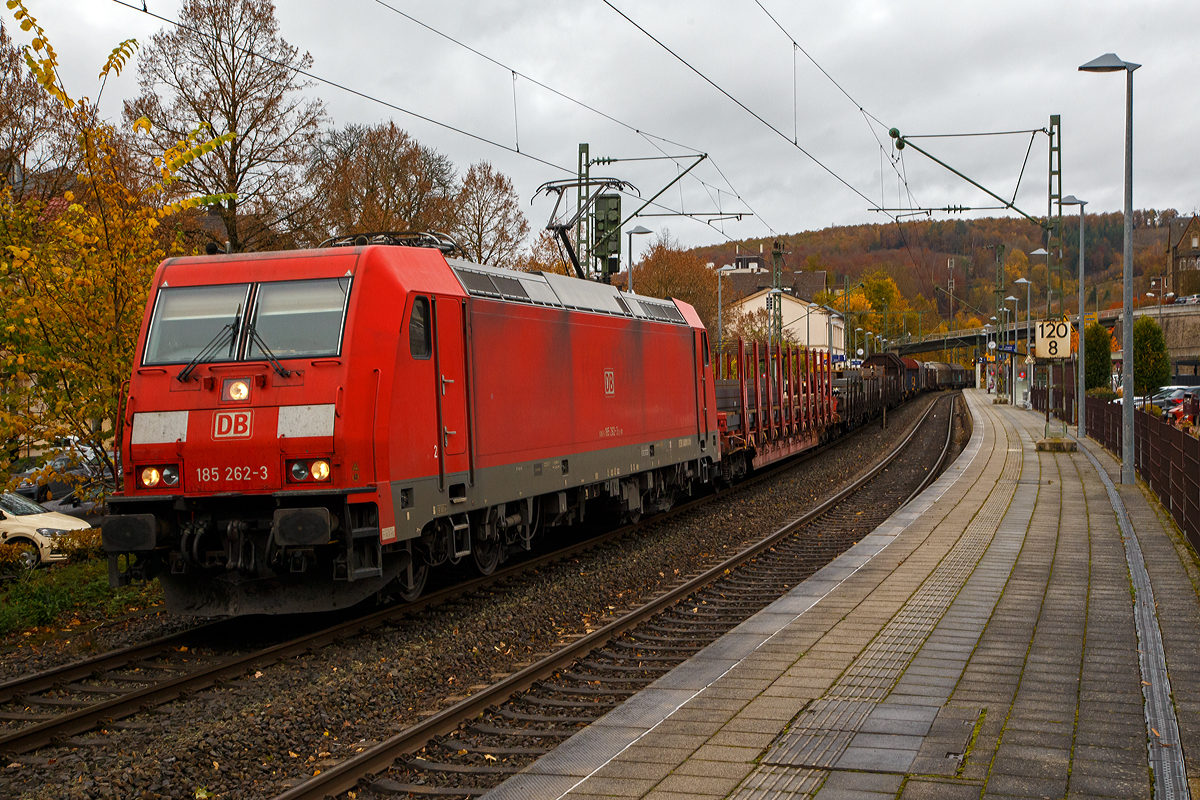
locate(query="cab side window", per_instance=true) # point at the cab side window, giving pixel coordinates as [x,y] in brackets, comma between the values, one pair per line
[420,339]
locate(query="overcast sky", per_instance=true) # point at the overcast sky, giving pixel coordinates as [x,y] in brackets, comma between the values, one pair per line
[922,67]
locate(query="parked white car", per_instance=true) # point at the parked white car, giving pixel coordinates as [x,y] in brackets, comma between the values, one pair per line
[33,528]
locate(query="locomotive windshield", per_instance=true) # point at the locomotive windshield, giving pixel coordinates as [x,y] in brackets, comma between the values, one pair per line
[297,319]
[188,318]
[291,319]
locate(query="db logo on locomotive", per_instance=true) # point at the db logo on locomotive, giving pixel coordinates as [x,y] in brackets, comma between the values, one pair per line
[232,424]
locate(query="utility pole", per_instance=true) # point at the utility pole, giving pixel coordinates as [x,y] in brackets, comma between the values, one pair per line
[583,232]
[1054,221]
[950,324]
[777,292]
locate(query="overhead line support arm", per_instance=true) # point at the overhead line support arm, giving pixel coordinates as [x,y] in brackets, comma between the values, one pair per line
[901,143]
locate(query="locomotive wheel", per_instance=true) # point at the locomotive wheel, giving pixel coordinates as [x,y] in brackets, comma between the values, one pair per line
[487,555]
[410,592]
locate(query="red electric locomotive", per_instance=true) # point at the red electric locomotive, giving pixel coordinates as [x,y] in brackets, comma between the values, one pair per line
[306,429]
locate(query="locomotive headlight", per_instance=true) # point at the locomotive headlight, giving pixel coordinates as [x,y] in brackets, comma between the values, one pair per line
[236,390]
[299,471]
[151,477]
[170,475]
[320,470]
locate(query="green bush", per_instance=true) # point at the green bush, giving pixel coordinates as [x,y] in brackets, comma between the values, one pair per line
[1151,364]
[47,595]
[82,546]
[1098,349]
[1103,393]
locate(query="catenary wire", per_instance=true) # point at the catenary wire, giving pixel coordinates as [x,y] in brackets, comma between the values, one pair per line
[736,101]
[516,151]
[326,81]
[518,74]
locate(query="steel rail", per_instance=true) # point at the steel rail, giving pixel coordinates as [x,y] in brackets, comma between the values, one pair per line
[345,776]
[116,659]
[41,734]
[937,468]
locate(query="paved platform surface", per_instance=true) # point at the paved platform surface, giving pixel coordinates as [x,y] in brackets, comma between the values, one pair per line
[984,642]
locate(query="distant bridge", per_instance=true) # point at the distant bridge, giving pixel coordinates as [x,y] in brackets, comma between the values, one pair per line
[1181,326]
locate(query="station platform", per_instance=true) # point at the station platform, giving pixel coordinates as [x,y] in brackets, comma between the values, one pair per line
[1023,628]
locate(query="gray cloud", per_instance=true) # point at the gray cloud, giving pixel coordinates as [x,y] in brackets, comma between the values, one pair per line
[925,67]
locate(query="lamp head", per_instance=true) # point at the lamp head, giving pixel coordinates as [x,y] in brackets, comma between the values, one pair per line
[1109,62]
[640,229]
[1021,281]
[1072,200]
[1041,251]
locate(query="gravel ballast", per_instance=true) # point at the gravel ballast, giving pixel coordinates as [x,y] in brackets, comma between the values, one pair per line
[254,737]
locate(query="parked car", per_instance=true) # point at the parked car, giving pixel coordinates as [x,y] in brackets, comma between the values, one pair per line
[79,504]
[61,474]
[1169,398]
[34,529]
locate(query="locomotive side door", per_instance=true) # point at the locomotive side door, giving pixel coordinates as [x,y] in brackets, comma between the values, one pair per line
[703,367]
[451,384]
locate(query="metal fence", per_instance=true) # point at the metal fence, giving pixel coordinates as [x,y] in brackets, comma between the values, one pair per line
[1061,391]
[1165,457]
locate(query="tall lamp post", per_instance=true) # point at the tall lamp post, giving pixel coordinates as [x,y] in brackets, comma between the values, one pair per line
[639,230]
[1080,382]
[1012,357]
[1041,251]
[1028,300]
[1159,294]
[1110,63]
[807,324]
[995,326]
[720,304]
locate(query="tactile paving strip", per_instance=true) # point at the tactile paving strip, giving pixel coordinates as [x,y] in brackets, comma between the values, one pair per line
[778,783]
[821,733]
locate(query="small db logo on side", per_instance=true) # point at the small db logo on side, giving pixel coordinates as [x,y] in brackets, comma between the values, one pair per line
[232,424]
[610,383]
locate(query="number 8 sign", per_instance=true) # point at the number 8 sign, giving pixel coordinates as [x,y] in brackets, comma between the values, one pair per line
[1053,339]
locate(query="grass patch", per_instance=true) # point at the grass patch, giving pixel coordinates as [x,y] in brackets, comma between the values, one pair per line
[54,595]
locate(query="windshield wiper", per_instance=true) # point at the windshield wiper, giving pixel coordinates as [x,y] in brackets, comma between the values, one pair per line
[211,348]
[266,351]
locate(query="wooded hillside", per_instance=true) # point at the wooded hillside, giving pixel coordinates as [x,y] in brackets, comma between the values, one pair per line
[915,254]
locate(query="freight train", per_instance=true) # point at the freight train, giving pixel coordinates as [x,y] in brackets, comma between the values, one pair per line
[305,430]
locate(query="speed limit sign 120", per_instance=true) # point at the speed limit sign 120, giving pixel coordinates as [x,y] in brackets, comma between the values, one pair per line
[1053,339]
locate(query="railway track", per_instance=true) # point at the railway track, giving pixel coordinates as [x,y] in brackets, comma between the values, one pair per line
[51,707]
[474,745]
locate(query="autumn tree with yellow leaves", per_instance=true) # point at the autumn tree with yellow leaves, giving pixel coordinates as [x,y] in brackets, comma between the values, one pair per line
[77,269]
